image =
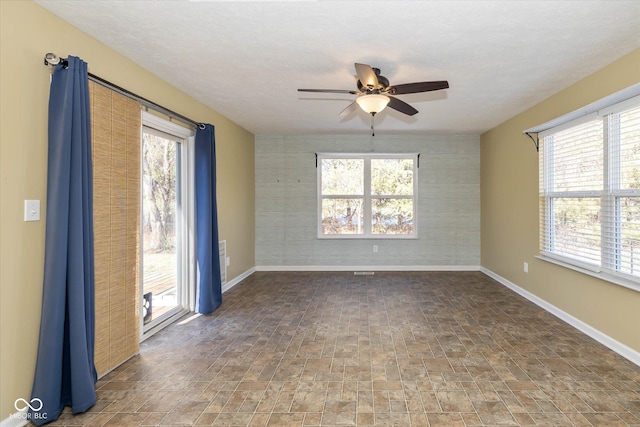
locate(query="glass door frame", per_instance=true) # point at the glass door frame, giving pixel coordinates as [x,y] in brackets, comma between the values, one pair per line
[185,223]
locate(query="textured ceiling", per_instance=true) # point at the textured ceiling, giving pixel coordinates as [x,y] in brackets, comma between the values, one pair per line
[246,60]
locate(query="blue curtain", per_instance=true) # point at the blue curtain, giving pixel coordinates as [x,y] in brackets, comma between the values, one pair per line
[65,372]
[208,281]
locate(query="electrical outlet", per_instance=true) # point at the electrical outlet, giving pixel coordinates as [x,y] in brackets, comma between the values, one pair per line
[375,248]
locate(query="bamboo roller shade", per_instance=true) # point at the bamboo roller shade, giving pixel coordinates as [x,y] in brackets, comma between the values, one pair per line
[115,128]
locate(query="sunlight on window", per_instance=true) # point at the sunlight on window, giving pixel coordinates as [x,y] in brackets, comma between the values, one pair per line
[367,195]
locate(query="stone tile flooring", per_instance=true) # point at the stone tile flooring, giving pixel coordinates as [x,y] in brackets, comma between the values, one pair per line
[393,349]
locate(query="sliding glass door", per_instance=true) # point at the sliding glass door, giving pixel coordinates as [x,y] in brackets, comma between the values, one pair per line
[164,236]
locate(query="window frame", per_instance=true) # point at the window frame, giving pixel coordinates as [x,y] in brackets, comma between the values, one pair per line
[367,197]
[185,220]
[610,260]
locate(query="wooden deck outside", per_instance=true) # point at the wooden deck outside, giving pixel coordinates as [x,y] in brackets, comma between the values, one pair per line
[160,284]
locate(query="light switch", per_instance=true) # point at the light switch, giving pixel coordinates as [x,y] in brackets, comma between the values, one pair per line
[32,210]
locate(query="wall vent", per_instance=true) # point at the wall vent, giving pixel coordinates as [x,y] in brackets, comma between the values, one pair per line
[222,247]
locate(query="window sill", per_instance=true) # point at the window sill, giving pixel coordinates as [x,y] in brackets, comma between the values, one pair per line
[360,237]
[608,277]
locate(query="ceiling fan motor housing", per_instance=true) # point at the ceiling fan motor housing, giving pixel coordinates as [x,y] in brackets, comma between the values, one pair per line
[382,81]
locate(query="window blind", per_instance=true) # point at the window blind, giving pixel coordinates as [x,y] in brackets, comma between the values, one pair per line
[115,130]
[590,190]
[621,246]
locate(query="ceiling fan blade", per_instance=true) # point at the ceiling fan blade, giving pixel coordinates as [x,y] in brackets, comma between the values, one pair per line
[401,106]
[350,109]
[352,92]
[367,76]
[418,87]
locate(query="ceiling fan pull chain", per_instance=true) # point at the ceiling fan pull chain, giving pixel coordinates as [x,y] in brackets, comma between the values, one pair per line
[373,133]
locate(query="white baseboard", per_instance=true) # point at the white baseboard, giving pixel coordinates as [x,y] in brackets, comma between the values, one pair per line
[18,419]
[230,284]
[604,339]
[368,268]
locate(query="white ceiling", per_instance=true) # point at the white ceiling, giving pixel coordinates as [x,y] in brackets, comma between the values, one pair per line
[246,60]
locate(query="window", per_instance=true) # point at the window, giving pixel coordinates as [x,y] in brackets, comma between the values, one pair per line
[590,191]
[367,195]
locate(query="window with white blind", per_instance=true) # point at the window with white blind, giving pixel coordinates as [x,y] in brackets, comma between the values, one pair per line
[590,191]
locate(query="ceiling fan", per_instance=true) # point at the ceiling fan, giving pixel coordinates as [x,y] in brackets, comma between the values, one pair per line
[375,93]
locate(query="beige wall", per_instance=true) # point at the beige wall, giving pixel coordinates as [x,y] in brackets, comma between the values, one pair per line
[509,222]
[27,32]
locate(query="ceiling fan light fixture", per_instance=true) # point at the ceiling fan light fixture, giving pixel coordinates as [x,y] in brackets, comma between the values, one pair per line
[373,103]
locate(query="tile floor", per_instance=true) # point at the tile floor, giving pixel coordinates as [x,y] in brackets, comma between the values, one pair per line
[394,349]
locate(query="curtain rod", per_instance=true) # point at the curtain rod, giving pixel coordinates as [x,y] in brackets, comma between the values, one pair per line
[52,59]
